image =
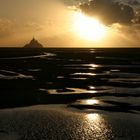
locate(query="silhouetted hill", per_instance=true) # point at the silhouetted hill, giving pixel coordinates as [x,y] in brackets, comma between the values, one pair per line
[33,44]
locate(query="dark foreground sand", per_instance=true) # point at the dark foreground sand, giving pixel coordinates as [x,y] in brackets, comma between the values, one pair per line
[57,122]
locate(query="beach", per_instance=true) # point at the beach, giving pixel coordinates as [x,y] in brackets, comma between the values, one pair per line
[60,122]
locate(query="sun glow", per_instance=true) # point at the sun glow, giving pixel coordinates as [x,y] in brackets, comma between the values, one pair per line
[88,28]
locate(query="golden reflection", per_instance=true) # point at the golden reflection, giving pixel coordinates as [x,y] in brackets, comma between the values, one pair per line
[91,66]
[98,126]
[94,65]
[92,51]
[88,28]
[91,87]
[92,91]
[92,102]
[88,74]
[93,117]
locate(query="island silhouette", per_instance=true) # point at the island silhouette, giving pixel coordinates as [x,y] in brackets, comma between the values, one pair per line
[33,44]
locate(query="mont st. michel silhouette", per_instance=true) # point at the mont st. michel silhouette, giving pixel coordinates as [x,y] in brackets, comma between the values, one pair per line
[33,44]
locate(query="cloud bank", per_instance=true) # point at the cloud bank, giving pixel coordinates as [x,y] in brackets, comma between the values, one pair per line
[109,11]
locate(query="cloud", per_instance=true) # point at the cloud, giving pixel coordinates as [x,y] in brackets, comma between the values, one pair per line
[134,2]
[127,34]
[6,27]
[20,20]
[109,11]
[32,26]
[132,31]
[50,21]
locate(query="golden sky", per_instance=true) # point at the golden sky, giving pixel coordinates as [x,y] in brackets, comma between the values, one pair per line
[52,23]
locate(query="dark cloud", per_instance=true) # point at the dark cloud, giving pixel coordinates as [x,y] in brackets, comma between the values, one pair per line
[109,11]
[133,2]
[128,32]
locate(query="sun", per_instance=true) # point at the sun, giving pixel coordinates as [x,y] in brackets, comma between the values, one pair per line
[88,28]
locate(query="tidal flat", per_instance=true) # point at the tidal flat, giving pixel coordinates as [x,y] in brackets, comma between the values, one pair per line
[71,94]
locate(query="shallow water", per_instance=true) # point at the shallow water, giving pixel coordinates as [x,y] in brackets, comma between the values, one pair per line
[99,90]
[69,75]
[59,122]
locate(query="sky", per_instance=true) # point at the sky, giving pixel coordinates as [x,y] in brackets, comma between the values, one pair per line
[51,21]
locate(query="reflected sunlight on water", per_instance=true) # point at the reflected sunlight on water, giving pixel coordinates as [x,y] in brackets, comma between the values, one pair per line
[91,87]
[88,101]
[94,117]
[87,74]
[92,91]
[100,128]
[94,65]
[101,90]
[91,65]
[92,101]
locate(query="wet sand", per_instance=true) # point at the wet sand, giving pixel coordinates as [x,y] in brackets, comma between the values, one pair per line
[99,90]
[58,122]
